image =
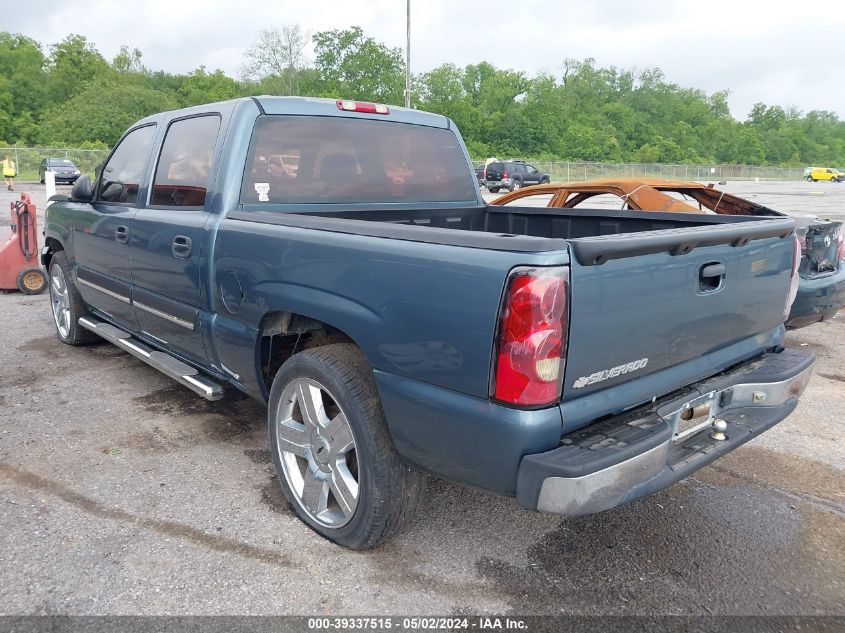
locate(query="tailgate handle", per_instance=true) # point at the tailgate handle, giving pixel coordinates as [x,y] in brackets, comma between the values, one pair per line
[710,277]
[713,270]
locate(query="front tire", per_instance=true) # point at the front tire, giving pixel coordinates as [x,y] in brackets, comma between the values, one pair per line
[332,450]
[67,304]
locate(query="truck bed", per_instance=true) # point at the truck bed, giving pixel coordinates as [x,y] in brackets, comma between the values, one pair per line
[533,229]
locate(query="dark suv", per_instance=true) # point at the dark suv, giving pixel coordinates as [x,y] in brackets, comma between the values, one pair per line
[513,174]
[64,169]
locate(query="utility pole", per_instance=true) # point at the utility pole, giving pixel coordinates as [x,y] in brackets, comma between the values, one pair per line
[408,57]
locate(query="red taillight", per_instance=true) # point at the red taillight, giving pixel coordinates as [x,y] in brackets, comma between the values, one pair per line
[362,106]
[793,283]
[531,347]
[505,174]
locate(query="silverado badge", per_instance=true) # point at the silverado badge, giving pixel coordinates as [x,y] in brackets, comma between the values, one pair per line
[613,372]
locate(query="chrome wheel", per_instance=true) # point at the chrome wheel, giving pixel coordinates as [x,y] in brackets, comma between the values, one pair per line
[60,301]
[317,452]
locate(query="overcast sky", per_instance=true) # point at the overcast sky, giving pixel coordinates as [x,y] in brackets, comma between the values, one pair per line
[785,53]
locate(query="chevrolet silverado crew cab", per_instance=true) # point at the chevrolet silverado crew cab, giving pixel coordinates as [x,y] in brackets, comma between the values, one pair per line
[335,260]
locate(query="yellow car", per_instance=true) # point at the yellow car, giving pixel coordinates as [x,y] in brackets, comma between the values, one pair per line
[824,173]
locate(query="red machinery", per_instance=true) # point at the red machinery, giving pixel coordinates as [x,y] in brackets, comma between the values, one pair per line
[19,269]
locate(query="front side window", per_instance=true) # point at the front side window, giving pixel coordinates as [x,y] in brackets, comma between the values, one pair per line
[122,174]
[309,159]
[184,166]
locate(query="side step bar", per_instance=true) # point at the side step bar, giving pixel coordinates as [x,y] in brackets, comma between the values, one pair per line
[165,363]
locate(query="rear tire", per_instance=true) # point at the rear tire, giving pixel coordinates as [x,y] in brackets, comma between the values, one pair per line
[516,185]
[32,281]
[494,190]
[332,449]
[810,179]
[67,303]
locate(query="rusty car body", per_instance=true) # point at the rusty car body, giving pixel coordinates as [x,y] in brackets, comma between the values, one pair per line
[821,290]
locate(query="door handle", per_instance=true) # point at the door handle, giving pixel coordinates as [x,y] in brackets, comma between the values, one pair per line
[121,234]
[181,247]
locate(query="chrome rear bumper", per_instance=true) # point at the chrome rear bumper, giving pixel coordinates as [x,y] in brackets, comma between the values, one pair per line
[625,457]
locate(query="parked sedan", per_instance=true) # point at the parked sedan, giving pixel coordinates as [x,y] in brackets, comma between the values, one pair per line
[64,169]
[821,289]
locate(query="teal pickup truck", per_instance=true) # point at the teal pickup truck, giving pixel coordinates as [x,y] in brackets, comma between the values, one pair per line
[335,260]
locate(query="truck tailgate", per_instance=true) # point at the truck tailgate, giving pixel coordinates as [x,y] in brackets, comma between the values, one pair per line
[641,313]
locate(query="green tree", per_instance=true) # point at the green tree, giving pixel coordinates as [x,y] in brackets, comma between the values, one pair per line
[23,94]
[202,87]
[101,112]
[73,62]
[278,58]
[354,66]
[128,61]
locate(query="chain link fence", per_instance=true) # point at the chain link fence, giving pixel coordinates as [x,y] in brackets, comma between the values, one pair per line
[28,159]
[576,171]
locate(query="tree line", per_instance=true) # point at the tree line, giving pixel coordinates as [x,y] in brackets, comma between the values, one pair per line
[68,94]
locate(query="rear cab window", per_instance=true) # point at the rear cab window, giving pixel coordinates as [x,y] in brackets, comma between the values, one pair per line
[296,159]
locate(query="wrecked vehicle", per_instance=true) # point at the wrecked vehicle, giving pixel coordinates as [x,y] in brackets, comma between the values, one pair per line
[396,325]
[821,289]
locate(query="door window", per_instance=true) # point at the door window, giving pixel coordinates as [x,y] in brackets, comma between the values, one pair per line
[184,166]
[121,177]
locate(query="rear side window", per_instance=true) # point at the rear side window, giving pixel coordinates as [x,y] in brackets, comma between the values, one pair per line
[121,176]
[307,159]
[184,166]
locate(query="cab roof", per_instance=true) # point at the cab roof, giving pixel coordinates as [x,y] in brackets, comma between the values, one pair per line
[313,106]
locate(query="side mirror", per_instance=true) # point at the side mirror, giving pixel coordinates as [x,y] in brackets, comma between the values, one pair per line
[82,190]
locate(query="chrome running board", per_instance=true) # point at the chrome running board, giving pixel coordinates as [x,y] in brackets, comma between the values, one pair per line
[165,363]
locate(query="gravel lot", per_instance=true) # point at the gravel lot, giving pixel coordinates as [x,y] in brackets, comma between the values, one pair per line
[123,493]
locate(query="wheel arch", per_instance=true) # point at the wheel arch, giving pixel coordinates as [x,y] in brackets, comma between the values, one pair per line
[51,246]
[283,333]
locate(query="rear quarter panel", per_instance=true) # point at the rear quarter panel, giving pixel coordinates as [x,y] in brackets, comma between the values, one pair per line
[421,310]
